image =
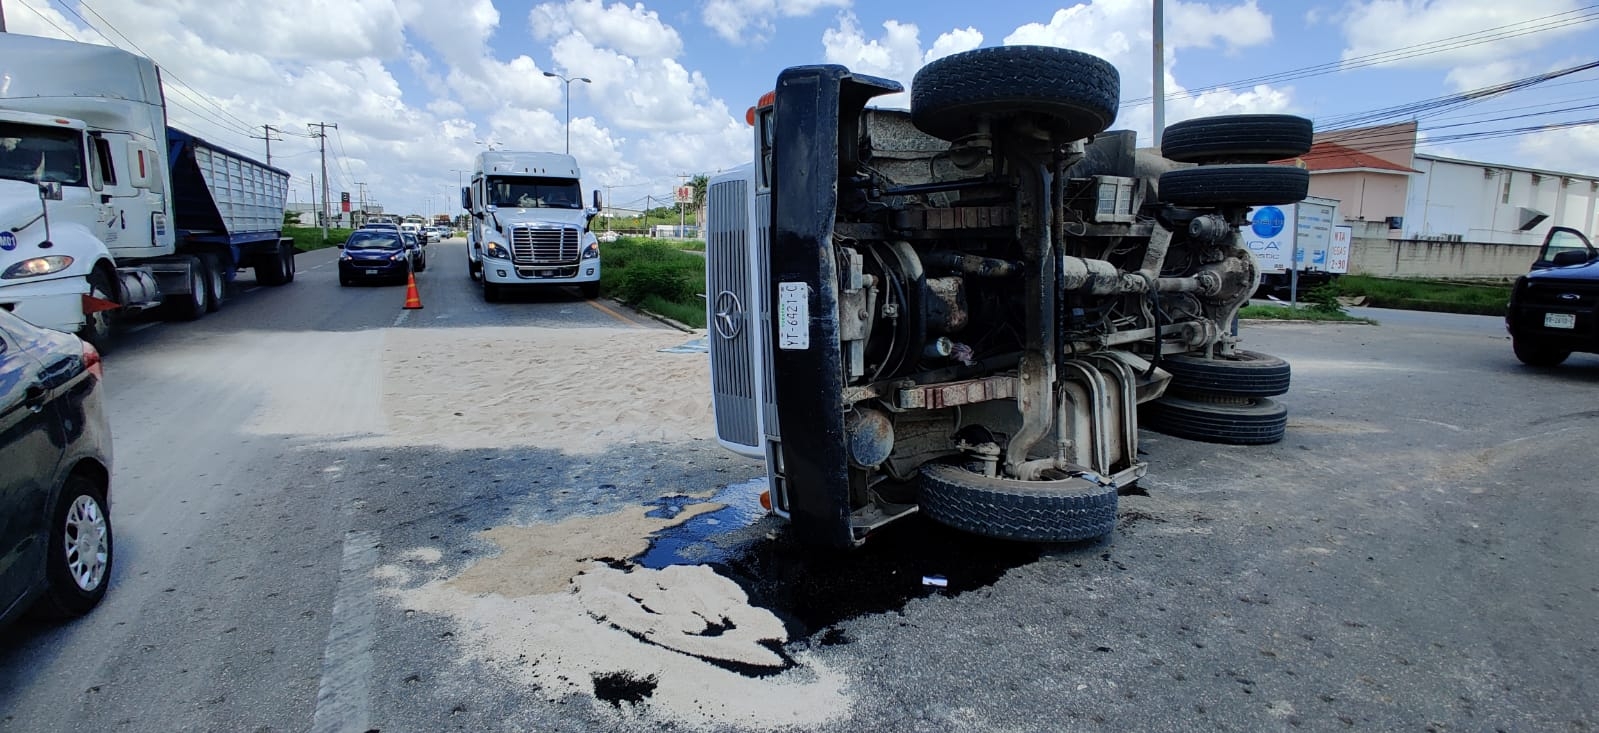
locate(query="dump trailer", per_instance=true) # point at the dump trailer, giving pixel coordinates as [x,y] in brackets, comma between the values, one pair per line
[104,209]
[968,310]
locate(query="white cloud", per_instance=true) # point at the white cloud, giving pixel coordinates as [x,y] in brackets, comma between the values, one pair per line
[955,41]
[634,31]
[741,21]
[1571,149]
[1369,26]
[896,55]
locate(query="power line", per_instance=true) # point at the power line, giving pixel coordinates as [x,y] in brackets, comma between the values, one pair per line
[1402,53]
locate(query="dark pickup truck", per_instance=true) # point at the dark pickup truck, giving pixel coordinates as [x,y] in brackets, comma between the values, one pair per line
[1554,310]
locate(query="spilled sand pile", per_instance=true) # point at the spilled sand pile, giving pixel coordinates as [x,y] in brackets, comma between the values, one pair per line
[576,390]
[682,644]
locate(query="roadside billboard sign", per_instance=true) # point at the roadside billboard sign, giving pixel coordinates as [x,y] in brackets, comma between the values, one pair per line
[1338,254]
[1269,236]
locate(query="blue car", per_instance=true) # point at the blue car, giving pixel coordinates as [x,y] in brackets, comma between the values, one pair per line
[55,473]
[375,254]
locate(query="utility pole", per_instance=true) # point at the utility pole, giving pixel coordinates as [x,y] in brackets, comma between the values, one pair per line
[1160,71]
[266,134]
[361,185]
[315,217]
[606,210]
[322,142]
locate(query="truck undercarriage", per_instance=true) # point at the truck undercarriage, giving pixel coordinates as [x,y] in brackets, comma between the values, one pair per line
[960,310]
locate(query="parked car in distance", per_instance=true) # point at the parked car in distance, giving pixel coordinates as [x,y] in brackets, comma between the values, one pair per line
[1554,310]
[419,254]
[374,254]
[389,225]
[55,468]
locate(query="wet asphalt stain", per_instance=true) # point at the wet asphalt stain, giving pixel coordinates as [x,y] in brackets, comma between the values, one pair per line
[811,590]
[619,687]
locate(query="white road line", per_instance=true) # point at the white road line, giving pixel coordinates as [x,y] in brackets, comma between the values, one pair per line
[343,700]
[251,290]
[399,319]
[140,327]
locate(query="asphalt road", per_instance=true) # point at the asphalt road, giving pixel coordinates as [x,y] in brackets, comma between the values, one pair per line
[1416,555]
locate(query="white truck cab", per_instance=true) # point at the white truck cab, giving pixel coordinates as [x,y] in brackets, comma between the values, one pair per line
[529,226]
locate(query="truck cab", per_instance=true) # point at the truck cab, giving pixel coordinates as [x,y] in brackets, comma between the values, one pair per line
[529,226]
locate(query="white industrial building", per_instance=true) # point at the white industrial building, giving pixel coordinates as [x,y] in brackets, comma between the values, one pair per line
[1454,200]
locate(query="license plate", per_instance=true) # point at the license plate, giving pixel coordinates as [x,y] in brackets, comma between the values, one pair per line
[793,316]
[1559,320]
[371,272]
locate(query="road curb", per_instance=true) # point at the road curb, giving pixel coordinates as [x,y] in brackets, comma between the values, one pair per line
[685,328]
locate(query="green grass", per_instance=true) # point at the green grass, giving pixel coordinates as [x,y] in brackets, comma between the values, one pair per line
[1302,313]
[310,238]
[1483,299]
[654,275]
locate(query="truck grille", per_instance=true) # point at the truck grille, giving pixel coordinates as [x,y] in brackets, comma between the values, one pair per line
[728,298]
[762,276]
[545,245]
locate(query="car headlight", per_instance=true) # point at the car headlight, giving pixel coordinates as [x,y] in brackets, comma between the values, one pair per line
[397,256]
[496,250]
[37,266]
[592,251]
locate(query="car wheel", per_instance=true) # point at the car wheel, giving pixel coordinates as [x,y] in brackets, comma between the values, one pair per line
[1218,419]
[1237,139]
[1064,510]
[1244,374]
[1538,354]
[97,326]
[78,559]
[1069,93]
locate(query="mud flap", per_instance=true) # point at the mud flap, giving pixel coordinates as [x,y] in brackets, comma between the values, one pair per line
[817,114]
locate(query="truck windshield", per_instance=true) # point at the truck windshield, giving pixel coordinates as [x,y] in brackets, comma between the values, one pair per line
[41,154]
[529,193]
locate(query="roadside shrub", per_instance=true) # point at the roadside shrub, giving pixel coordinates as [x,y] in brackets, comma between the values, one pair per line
[1323,299]
[644,279]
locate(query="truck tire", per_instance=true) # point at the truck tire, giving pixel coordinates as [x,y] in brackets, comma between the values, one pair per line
[1534,353]
[288,252]
[1230,421]
[269,269]
[1237,139]
[216,282]
[1066,510]
[1235,185]
[98,326]
[1244,374]
[193,304]
[590,290]
[1069,93]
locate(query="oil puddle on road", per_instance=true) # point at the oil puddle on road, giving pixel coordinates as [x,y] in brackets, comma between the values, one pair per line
[698,610]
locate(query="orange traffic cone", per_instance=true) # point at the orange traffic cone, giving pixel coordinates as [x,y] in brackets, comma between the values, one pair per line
[412,300]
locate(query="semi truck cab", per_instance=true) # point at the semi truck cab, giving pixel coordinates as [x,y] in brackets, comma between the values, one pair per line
[529,225]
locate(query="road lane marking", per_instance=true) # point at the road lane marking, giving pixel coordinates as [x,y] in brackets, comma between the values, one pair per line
[343,700]
[612,313]
[140,327]
[399,319]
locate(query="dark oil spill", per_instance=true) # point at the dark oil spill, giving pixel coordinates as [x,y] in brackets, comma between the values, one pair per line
[813,590]
[619,687]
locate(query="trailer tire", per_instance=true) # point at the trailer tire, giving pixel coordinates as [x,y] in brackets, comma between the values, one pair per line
[1229,421]
[1244,374]
[1237,139]
[288,261]
[1066,510]
[99,326]
[1235,185]
[269,269]
[216,281]
[191,305]
[1071,94]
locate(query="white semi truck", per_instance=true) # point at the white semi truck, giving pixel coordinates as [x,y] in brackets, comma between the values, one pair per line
[969,310]
[105,209]
[529,226]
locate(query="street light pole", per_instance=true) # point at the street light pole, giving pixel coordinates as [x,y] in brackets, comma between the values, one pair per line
[568,96]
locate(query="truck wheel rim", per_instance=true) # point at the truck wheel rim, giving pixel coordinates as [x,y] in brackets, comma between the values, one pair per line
[86,543]
[197,288]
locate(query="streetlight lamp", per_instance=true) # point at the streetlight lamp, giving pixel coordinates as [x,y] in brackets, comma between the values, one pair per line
[568,96]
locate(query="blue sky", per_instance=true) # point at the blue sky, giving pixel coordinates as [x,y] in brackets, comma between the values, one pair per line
[415,85]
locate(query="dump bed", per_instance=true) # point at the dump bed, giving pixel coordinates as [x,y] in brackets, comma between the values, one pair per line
[221,196]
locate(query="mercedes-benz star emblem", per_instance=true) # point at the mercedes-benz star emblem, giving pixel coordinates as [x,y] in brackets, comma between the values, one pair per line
[729,315]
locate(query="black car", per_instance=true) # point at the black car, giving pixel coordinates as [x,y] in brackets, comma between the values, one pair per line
[419,252]
[55,469]
[1554,310]
[375,254]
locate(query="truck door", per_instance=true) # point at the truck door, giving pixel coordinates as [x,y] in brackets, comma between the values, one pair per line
[124,215]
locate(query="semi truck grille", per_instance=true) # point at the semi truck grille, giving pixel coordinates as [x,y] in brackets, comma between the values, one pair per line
[545,245]
[728,297]
[762,276]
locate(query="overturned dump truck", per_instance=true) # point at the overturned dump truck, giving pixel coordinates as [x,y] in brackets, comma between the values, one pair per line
[965,310]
